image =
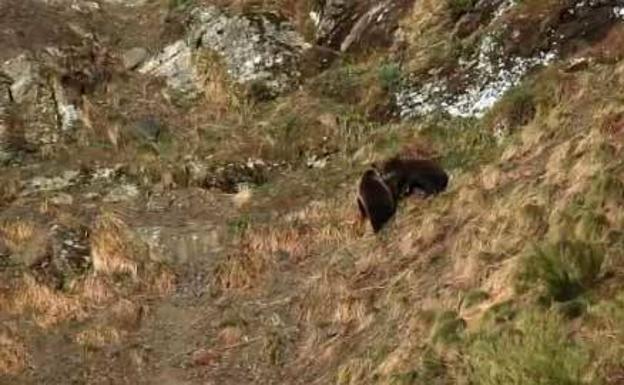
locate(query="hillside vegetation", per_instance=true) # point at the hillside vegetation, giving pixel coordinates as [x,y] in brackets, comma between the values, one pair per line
[514,275]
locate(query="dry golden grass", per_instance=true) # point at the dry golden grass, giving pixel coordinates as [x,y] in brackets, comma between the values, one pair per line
[13,355]
[295,239]
[25,238]
[241,271]
[221,96]
[99,337]
[355,371]
[125,314]
[46,306]
[94,289]
[114,248]
[159,281]
[471,238]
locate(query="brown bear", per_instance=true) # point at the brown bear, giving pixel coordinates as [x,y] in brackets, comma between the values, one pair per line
[376,200]
[406,176]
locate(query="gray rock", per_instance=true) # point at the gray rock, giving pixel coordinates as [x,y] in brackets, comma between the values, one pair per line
[70,116]
[64,180]
[62,199]
[47,115]
[40,118]
[259,50]
[133,57]
[39,101]
[174,63]
[485,77]
[123,193]
[345,24]
[196,172]
[181,243]
[23,73]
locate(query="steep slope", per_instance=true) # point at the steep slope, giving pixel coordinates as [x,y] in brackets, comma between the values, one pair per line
[159,236]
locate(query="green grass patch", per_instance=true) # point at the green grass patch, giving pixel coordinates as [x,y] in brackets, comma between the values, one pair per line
[447,328]
[390,76]
[536,351]
[465,143]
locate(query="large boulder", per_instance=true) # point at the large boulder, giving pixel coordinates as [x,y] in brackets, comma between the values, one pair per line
[259,50]
[350,24]
[39,100]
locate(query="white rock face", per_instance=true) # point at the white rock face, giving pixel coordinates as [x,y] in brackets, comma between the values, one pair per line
[485,77]
[174,63]
[490,76]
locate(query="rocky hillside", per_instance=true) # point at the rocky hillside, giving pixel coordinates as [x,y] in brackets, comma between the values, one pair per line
[177,192]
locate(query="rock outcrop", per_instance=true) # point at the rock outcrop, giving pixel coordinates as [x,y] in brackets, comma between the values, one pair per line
[508,45]
[258,50]
[348,24]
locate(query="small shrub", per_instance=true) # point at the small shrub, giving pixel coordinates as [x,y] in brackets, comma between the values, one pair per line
[431,370]
[341,84]
[565,269]
[572,309]
[515,109]
[389,76]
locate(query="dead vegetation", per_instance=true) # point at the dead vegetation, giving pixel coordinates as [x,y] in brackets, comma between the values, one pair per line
[114,249]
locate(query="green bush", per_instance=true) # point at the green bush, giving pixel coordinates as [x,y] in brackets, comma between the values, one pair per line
[390,76]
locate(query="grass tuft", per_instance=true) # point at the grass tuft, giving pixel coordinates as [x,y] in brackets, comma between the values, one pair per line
[538,351]
[114,248]
[565,269]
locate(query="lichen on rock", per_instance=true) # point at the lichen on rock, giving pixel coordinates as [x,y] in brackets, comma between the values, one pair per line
[508,48]
[258,50]
[486,79]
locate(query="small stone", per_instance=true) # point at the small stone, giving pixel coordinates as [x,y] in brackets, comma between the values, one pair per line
[123,193]
[204,357]
[62,199]
[91,195]
[134,57]
[577,64]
